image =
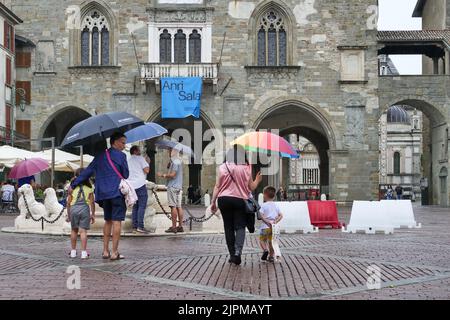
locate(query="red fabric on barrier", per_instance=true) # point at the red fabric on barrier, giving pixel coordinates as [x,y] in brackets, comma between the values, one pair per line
[324,213]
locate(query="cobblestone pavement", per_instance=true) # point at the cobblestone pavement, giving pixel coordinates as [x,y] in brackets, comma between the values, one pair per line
[414,264]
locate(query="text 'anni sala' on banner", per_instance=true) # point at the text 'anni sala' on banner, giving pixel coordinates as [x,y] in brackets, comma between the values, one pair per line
[180,97]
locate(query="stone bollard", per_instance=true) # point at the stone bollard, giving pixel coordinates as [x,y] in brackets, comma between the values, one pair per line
[207,200]
[150,211]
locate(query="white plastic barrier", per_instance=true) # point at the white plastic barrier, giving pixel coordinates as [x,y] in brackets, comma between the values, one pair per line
[295,217]
[369,216]
[401,213]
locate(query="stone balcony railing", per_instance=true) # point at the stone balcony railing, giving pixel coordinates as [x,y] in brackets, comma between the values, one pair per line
[153,72]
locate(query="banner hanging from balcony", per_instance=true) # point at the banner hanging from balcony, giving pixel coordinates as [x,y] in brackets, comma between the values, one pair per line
[180,97]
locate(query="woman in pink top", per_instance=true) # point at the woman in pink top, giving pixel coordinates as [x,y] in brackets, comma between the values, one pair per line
[234,185]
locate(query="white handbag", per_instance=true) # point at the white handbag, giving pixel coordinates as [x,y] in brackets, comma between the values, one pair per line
[125,188]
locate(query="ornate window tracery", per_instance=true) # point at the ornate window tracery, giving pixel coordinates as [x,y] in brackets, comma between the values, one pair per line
[95,39]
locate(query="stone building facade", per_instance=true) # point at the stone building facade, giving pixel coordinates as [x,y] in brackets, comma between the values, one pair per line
[401,149]
[8,22]
[308,68]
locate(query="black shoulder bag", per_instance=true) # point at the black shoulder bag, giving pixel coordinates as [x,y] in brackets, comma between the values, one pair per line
[251,208]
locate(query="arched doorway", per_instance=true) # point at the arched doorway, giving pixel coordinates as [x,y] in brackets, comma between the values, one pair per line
[58,125]
[294,120]
[191,132]
[61,122]
[427,123]
[401,150]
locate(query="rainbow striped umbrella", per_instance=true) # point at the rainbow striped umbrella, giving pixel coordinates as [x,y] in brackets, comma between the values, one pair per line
[266,142]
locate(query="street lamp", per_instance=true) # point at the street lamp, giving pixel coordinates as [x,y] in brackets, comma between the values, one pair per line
[21,104]
[21,92]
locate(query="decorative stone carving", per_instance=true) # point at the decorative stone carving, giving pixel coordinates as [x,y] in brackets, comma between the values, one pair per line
[185,16]
[275,73]
[45,56]
[180,1]
[99,71]
[355,120]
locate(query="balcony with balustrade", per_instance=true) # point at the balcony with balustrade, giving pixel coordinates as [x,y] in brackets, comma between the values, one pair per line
[151,73]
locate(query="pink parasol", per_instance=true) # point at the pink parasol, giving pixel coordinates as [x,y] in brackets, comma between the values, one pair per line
[28,167]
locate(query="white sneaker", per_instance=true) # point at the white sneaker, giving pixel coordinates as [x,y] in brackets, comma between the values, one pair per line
[73,253]
[84,255]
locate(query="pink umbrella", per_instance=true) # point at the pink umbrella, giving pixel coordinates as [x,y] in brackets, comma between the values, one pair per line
[28,167]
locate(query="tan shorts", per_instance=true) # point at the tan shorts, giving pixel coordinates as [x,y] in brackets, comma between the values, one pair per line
[265,235]
[174,197]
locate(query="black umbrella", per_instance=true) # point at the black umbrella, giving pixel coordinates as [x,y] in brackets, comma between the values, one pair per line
[97,128]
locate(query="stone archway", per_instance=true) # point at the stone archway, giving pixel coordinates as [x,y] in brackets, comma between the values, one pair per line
[197,173]
[57,125]
[435,137]
[292,117]
[61,121]
[322,120]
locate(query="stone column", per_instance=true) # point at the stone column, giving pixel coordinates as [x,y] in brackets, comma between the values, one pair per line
[172,39]
[188,32]
[435,65]
[447,62]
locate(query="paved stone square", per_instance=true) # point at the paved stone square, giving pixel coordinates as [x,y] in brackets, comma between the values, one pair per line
[414,263]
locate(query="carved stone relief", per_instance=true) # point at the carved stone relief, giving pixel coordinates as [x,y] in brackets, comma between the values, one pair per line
[355,123]
[45,56]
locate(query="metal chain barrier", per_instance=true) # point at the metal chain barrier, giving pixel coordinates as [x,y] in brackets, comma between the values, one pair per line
[190,218]
[42,219]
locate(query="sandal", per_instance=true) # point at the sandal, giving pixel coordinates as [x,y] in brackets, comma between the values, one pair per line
[118,257]
[107,257]
[171,230]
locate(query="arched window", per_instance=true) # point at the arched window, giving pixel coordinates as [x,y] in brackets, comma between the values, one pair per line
[95,39]
[195,47]
[85,34]
[95,46]
[180,47]
[105,46]
[165,47]
[272,39]
[396,163]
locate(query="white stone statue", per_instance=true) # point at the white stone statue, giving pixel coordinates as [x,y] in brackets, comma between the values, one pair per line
[36,209]
[51,203]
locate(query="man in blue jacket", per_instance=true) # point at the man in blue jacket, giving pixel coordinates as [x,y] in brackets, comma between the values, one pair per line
[107,193]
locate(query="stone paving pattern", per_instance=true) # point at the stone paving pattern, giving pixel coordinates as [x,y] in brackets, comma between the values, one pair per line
[414,264]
